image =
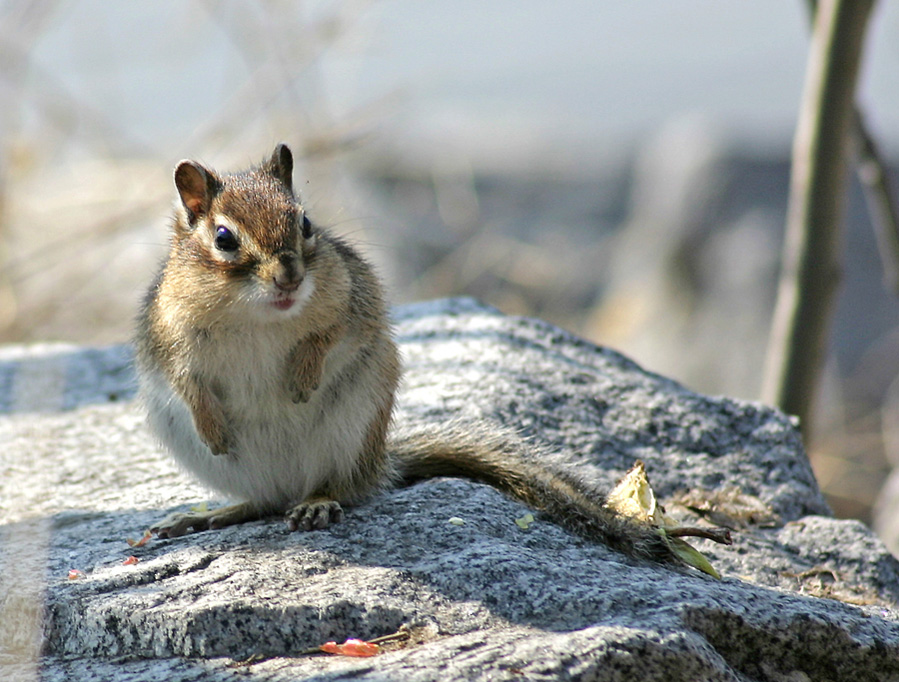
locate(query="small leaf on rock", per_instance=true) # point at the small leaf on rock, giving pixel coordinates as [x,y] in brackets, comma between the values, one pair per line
[525,521]
[351,647]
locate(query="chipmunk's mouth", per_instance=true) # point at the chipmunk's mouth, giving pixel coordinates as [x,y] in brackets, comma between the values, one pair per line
[285,303]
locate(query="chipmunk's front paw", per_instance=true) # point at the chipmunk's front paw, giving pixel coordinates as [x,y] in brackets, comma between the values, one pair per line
[211,424]
[314,514]
[220,446]
[217,438]
[305,364]
[301,390]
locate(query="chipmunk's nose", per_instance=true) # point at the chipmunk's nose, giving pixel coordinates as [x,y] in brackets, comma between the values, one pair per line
[289,274]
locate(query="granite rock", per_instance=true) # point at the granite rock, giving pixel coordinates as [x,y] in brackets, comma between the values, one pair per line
[803,596]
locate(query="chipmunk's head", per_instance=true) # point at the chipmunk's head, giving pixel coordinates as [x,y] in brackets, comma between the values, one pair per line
[247,236]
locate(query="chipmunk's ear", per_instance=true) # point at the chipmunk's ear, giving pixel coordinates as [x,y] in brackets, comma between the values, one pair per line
[196,185]
[281,165]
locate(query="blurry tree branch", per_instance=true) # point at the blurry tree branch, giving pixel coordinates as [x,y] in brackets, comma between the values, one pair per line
[811,259]
[875,180]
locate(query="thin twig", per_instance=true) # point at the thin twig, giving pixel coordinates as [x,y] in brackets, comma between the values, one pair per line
[882,208]
[719,535]
[811,261]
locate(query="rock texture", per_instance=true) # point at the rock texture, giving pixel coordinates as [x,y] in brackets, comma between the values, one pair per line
[804,596]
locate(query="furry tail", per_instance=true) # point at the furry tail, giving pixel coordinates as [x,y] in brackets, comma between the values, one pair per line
[500,460]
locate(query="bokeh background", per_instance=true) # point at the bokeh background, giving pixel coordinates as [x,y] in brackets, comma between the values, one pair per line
[619,169]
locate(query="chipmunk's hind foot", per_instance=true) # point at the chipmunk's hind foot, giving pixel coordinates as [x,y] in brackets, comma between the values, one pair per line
[314,513]
[182,523]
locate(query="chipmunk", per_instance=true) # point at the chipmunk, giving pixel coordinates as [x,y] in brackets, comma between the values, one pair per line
[268,368]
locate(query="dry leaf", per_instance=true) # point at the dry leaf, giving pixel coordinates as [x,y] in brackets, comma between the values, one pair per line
[351,647]
[634,497]
[729,507]
[145,538]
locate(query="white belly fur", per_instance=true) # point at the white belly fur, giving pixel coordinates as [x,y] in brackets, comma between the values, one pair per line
[282,451]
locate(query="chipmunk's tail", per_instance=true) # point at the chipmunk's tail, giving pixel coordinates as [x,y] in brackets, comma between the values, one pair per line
[511,464]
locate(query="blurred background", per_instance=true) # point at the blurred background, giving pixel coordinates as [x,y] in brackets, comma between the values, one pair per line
[619,169]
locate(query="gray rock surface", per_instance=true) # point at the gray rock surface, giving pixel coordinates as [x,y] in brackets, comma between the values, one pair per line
[806,598]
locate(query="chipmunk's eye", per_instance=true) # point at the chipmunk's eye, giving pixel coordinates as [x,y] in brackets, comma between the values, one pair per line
[307,227]
[225,239]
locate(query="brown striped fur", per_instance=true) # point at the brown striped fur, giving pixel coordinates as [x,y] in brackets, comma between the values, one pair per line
[269,370]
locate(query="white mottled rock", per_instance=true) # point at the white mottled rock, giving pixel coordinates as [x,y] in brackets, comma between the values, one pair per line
[809,598]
